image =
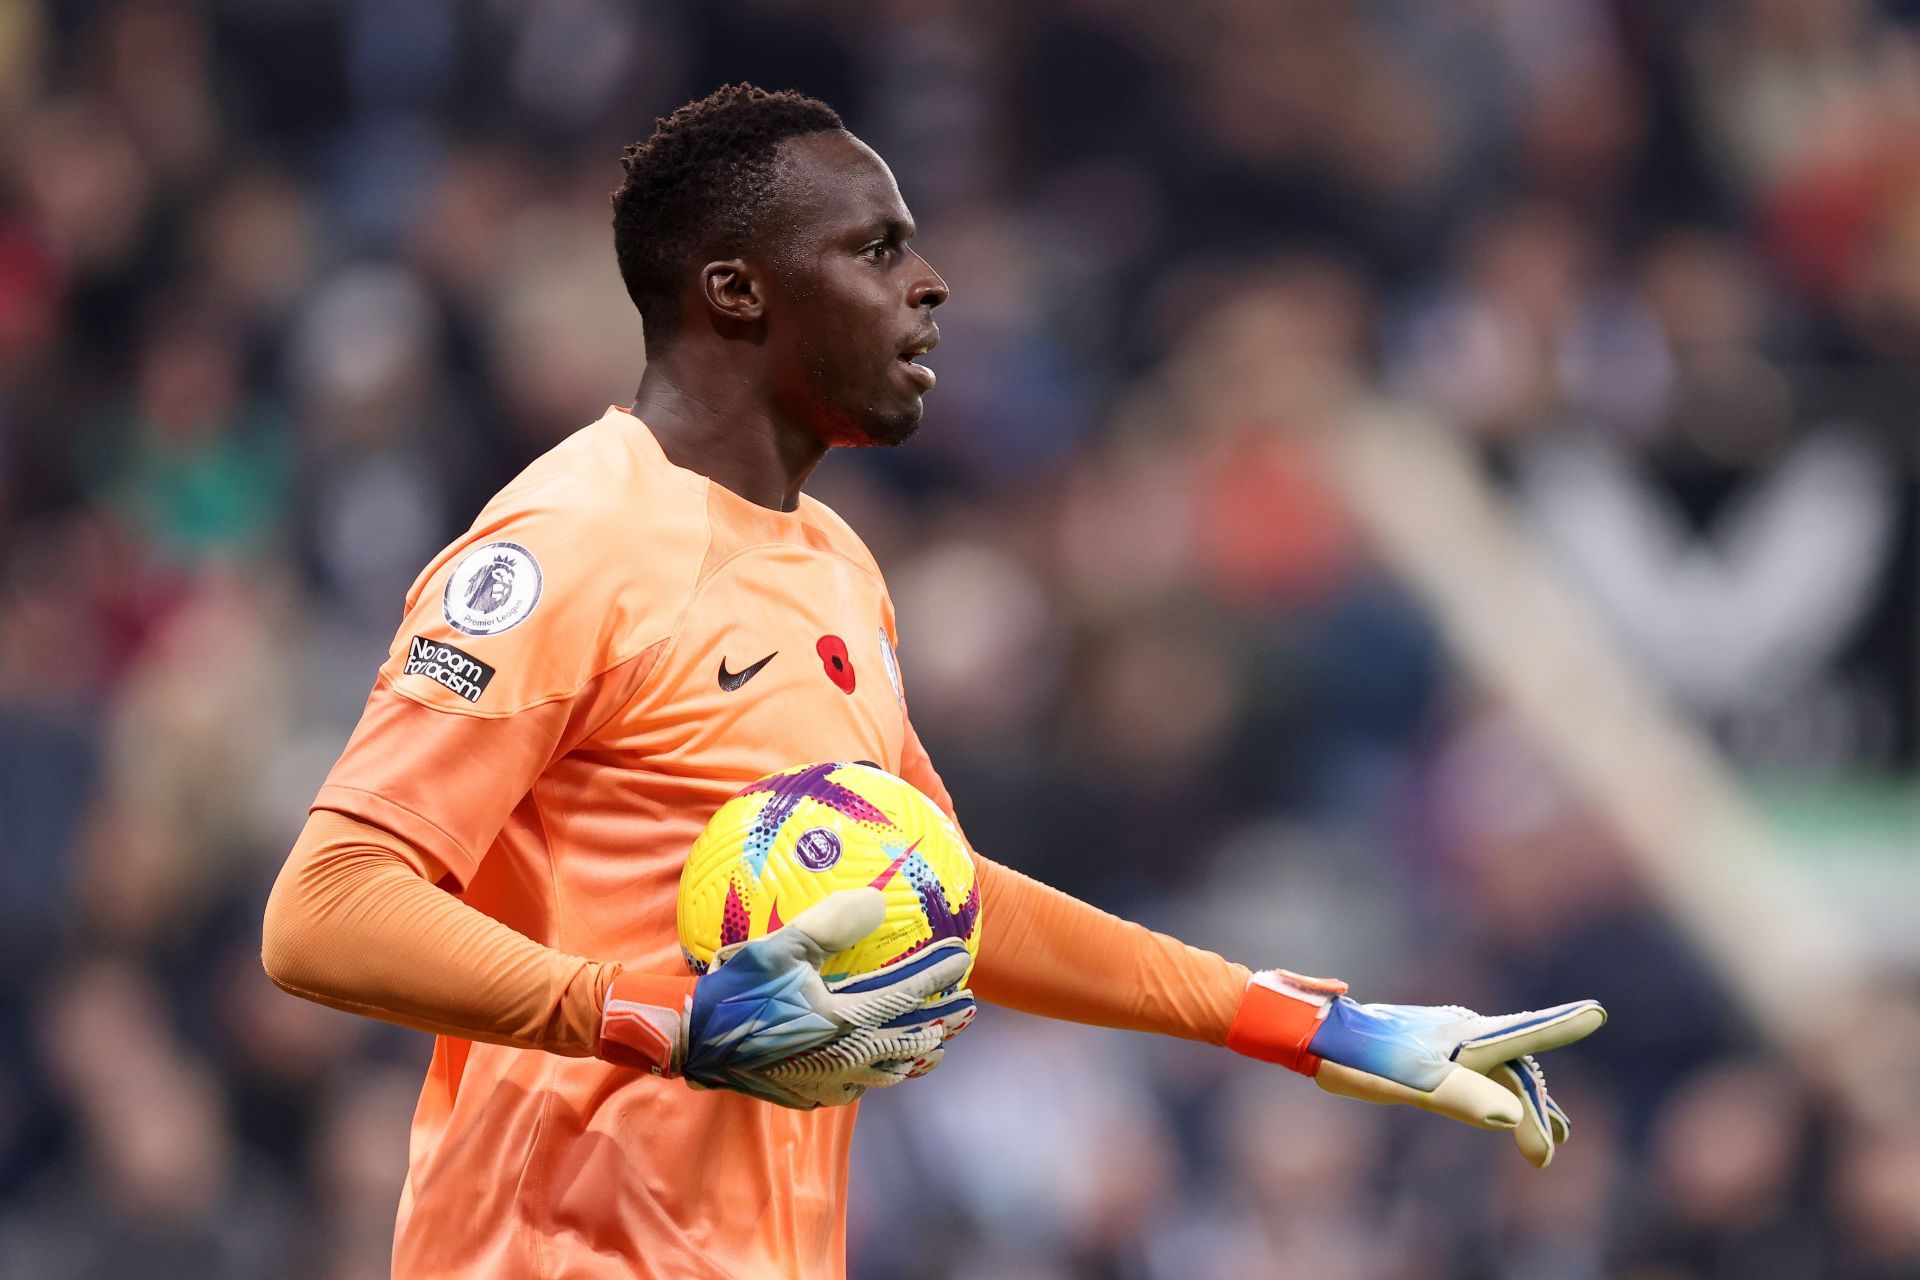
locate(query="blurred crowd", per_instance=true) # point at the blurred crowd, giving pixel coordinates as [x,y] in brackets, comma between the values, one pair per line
[289,287]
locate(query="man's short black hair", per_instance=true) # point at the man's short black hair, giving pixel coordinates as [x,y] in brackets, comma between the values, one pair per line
[697,188]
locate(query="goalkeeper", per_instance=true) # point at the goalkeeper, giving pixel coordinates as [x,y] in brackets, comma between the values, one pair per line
[647,618]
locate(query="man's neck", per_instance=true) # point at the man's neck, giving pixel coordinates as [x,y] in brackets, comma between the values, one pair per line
[723,428]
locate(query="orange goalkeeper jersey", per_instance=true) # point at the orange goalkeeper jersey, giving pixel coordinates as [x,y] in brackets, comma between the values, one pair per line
[614,648]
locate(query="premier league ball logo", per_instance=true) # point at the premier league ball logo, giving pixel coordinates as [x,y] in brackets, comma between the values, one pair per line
[817,848]
[491,589]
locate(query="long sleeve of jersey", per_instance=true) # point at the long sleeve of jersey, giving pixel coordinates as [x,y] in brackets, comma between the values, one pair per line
[1045,952]
[355,921]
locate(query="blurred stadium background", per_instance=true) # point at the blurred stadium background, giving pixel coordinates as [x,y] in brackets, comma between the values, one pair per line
[1422,490]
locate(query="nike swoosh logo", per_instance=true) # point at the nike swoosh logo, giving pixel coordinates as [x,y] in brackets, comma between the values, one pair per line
[731,680]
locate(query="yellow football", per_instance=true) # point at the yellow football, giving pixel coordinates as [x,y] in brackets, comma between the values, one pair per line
[783,843]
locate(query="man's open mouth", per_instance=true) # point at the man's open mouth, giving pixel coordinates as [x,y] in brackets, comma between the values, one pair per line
[909,357]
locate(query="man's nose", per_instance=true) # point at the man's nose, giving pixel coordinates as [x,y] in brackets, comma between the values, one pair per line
[928,289]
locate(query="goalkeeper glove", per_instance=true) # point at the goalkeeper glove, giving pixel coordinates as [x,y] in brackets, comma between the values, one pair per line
[1446,1059]
[903,1048]
[762,1021]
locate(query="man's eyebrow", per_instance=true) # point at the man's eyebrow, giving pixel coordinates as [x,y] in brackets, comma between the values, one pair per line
[891,228]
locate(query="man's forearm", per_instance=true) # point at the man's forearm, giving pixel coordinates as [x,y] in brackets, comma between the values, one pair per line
[1045,952]
[354,923]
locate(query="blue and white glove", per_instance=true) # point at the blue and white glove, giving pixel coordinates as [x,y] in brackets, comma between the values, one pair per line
[761,1021]
[1446,1059]
[1543,1125]
[903,1048]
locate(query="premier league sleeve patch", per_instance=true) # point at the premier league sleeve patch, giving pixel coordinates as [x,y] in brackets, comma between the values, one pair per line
[492,589]
[443,664]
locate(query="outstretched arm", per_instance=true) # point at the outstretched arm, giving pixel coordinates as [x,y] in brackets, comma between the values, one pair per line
[1045,952]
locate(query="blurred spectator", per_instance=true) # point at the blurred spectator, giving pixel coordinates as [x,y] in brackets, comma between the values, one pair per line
[1722,1199]
[155,1182]
[1877,1235]
[187,463]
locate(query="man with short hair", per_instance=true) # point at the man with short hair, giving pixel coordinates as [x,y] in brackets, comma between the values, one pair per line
[649,617]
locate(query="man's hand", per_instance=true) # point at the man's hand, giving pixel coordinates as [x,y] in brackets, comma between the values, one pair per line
[1446,1059]
[903,1048]
[1543,1125]
[762,1022]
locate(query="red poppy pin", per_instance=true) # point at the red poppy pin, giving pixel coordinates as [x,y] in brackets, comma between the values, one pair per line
[833,656]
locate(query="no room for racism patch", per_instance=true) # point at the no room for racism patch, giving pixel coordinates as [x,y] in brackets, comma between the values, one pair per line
[440,662]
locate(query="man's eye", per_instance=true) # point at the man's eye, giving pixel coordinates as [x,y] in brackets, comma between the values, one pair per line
[879,250]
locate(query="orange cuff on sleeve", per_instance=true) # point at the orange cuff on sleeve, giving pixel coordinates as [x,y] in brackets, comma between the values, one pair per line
[1279,1016]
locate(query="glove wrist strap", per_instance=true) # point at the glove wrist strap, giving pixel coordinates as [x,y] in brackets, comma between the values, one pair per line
[1279,1015]
[644,1023]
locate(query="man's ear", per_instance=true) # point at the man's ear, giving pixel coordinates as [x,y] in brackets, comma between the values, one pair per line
[732,292]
